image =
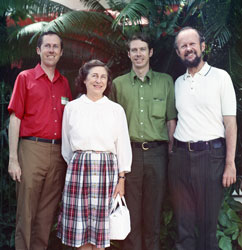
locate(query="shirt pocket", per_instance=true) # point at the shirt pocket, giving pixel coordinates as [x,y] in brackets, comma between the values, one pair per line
[158,108]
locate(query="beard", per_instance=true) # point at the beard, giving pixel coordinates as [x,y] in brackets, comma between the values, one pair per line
[194,63]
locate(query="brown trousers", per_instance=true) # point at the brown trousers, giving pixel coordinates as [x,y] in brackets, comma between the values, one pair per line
[38,193]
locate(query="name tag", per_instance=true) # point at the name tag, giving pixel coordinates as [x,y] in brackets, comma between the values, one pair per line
[64,100]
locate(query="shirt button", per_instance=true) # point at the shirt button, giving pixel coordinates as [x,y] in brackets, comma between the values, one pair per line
[141,110]
[55,120]
[54,108]
[141,97]
[53,96]
[141,86]
[54,133]
[141,136]
[141,123]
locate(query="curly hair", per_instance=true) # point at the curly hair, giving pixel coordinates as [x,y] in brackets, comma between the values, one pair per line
[84,71]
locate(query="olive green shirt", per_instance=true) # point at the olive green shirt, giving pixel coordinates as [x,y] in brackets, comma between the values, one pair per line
[148,105]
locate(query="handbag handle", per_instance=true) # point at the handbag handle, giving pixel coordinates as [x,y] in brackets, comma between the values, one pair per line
[117,201]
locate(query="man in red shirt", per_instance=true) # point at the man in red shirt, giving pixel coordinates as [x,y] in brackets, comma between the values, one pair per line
[35,160]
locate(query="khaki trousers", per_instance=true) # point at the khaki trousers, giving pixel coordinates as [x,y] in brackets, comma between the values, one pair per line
[38,193]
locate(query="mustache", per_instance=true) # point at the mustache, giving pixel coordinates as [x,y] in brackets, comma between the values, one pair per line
[190,52]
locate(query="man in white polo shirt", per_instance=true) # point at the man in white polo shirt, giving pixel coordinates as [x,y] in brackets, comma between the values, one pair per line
[202,160]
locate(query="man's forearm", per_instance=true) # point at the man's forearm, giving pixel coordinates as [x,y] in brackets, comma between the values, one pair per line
[13,135]
[171,126]
[229,176]
[231,137]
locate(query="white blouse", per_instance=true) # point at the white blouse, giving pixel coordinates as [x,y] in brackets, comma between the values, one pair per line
[97,126]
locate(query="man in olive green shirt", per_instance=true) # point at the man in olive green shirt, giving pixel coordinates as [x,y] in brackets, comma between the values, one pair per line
[148,100]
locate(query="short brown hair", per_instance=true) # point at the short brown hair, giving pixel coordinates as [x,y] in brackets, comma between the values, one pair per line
[142,37]
[40,39]
[84,71]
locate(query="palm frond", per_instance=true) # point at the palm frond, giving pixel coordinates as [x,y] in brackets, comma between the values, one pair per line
[133,12]
[23,8]
[82,20]
[191,8]
[117,5]
[86,35]
[93,5]
[40,7]
[216,22]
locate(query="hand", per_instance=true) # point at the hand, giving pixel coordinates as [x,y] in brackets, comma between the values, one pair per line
[119,189]
[229,176]
[170,146]
[14,170]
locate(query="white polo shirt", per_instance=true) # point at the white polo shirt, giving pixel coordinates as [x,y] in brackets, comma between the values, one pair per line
[201,102]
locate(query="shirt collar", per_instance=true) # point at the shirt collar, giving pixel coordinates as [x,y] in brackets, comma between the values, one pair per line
[89,101]
[203,71]
[133,76]
[39,72]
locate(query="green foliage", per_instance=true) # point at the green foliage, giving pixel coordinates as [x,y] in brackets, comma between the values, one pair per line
[20,10]
[7,187]
[91,34]
[230,224]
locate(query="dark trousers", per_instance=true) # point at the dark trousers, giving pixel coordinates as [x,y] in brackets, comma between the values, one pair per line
[145,188]
[195,181]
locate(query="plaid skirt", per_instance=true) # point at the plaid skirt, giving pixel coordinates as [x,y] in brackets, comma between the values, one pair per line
[90,182]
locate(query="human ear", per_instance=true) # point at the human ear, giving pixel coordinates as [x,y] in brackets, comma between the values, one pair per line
[151,53]
[178,52]
[203,46]
[38,50]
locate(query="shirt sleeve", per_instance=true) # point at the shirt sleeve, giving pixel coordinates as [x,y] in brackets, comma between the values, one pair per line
[171,112]
[123,146]
[17,101]
[228,98]
[112,95]
[66,145]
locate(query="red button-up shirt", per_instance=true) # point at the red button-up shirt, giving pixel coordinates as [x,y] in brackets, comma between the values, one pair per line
[39,103]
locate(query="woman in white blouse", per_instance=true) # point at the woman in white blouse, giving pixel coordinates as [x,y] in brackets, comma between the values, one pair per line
[96,147]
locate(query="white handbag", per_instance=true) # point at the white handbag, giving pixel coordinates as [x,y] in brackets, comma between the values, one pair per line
[119,219]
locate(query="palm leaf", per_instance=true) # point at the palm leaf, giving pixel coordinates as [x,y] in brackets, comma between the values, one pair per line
[47,7]
[190,9]
[133,12]
[216,22]
[93,5]
[24,8]
[117,5]
[87,35]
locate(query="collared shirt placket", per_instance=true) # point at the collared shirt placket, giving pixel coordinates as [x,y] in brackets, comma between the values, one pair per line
[54,109]
[141,109]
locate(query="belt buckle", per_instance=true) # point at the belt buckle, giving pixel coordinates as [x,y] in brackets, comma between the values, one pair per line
[143,146]
[53,141]
[189,147]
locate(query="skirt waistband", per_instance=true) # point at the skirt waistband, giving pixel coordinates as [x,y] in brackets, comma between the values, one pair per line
[93,152]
